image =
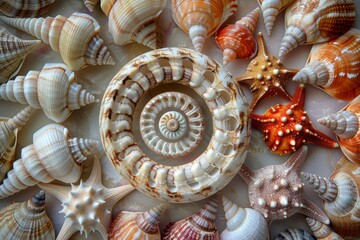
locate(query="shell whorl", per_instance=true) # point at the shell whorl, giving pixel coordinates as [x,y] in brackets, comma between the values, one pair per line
[316,73]
[344,124]
[148,221]
[250,20]
[295,234]
[20,8]
[19,121]
[90,4]
[326,188]
[294,36]
[322,231]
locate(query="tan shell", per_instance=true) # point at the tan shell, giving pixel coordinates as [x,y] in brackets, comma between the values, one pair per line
[90,4]
[322,231]
[24,8]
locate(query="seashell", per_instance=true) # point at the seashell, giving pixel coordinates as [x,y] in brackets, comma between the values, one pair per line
[53,155]
[24,8]
[200,225]
[334,66]
[8,139]
[201,19]
[316,22]
[13,51]
[90,4]
[27,220]
[240,223]
[237,40]
[322,231]
[52,89]
[133,20]
[270,10]
[210,171]
[346,125]
[295,234]
[76,38]
[340,194]
[140,225]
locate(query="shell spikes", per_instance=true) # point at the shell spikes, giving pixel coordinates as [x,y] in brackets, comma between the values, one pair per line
[326,188]
[90,4]
[53,155]
[76,38]
[52,89]
[322,231]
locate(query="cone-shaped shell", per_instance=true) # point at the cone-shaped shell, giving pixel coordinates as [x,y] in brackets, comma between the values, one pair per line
[53,89]
[295,234]
[90,4]
[27,220]
[322,231]
[201,18]
[76,38]
[27,8]
[315,22]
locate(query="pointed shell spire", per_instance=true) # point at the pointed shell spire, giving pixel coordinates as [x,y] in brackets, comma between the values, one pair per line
[326,188]
[345,124]
[90,4]
[250,20]
[315,73]
[322,231]
[19,121]
[28,8]
[148,221]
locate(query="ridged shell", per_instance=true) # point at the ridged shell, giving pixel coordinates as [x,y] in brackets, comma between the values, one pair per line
[27,220]
[90,4]
[133,20]
[52,89]
[295,234]
[76,38]
[316,21]
[24,8]
[322,231]
[201,19]
[53,155]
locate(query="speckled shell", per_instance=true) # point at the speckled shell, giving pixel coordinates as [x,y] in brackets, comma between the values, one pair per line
[24,8]
[225,153]
[52,89]
[76,38]
[322,231]
[295,234]
[316,21]
[90,4]
[201,19]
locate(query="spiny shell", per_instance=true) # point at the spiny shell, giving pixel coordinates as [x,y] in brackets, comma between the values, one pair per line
[76,38]
[53,155]
[295,234]
[52,89]
[335,66]
[201,19]
[316,21]
[322,231]
[13,51]
[133,20]
[27,220]
[24,8]
[90,4]
[225,153]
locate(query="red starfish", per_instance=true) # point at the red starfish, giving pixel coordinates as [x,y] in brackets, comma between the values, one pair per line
[287,127]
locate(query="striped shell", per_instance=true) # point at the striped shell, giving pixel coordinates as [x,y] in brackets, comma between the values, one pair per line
[295,234]
[90,4]
[24,8]
[322,231]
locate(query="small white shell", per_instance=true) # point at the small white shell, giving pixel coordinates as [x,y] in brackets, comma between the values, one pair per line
[90,4]
[27,8]
[322,231]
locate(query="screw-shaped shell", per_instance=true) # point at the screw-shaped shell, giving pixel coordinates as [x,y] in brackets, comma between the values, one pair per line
[295,234]
[322,231]
[27,8]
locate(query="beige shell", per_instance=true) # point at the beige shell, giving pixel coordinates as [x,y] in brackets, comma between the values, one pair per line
[322,231]
[76,38]
[90,4]
[223,156]
[13,51]
[53,155]
[24,8]
[27,220]
[52,89]
[201,19]
[133,20]
[315,22]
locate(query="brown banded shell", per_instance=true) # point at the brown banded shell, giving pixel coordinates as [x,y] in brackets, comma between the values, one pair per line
[322,231]
[24,8]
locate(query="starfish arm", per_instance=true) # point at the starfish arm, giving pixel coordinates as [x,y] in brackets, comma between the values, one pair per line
[95,176]
[246,79]
[247,174]
[260,122]
[297,159]
[309,209]
[319,138]
[299,96]
[113,195]
[282,92]
[67,230]
[261,44]
[60,192]
[256,98]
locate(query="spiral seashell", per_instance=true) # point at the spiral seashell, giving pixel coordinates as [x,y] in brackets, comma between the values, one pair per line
[13,51]
[90,4]
[295,234]
[315,22]
[200,225]
[53,155]
[24,8]
[335,66]
[27,220]
[240,223]
[322,231]
[237,40]
[224,154]
[133,20]
[346,125]
[8,139]
[52,89]
[140,225]
[76,38]
[201,19]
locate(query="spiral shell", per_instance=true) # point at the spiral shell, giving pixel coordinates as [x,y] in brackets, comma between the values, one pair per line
[201,19]
[24,8]
[315,22]
[223,156]
[322,231]
[52,89]
[90,4]
[133,20]
[295,234]
[27,220]
[53,155]
[76,38]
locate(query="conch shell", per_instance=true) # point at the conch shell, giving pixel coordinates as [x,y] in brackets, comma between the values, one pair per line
[76,38]
[52,89]
[24,8]
[53,155]
[322,231]
[90,4]
[201,19]
[315,22]
[295,234]
[13,51]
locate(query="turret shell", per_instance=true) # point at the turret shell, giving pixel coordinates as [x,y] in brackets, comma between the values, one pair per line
[27,8]
[322,231]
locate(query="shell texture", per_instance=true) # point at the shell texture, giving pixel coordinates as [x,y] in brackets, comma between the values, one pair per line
[315,22]
[218,163]
[322,231]
[295,234]
[13,51]
[24,8]
[76,38]
[90,4]
[27,220]
[133,20]
[334,66]
[53,155]
[53,89]
[201,19]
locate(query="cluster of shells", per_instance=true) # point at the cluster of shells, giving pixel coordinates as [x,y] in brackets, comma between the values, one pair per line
[175,124]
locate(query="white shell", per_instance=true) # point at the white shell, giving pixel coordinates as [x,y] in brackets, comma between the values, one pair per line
[24,8]
[90,4]
[322,231]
